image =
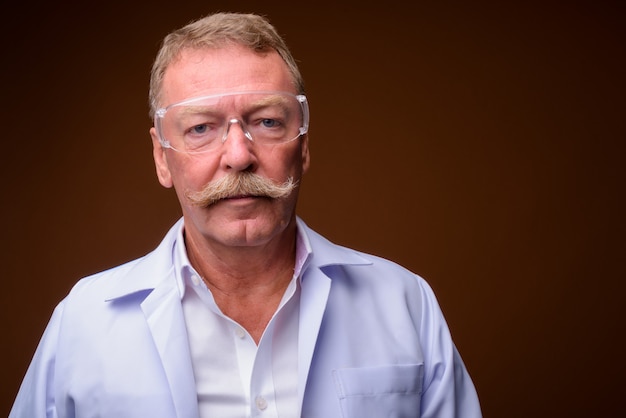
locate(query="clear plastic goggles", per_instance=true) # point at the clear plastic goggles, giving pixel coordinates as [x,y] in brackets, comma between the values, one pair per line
[202,124]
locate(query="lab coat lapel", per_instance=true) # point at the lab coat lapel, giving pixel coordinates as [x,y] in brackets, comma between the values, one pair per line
[315,290]
[164,315]
[316,284]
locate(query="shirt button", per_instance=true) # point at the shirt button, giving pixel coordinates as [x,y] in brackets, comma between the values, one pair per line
[195,279]
[239,332]
[261,403]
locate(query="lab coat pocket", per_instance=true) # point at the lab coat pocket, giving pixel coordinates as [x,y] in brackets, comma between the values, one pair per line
[382,391]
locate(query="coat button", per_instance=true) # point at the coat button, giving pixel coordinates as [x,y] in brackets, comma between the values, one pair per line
[195,279]
[261,403]
[239,332]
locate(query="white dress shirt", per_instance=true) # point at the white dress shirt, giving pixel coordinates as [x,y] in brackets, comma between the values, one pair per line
[235,377]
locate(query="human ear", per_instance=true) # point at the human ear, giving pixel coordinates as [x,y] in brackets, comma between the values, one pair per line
[306,156]
[160,160]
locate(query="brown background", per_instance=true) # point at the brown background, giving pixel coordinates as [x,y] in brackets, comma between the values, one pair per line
[481,145]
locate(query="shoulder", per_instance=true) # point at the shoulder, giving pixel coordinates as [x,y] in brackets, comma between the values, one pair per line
[107,279]
[140,274]
[358,268]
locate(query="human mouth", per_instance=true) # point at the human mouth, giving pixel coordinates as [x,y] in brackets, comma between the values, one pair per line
[240,196]
[243,197]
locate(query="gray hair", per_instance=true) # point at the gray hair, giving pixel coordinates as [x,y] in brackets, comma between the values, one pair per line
[216,31]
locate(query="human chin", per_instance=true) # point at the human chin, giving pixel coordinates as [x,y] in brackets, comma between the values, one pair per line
[245,231]
[250,223]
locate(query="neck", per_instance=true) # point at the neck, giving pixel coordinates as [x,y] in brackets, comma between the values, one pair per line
[247,283]
[244,270]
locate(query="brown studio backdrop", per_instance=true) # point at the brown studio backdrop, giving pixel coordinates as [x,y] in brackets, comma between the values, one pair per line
[481,146]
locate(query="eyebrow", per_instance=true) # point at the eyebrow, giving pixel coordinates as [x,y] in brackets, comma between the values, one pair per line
[195,110]
[192,109]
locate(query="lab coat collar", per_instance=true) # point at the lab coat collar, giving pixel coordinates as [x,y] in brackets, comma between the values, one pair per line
[325,253]
[149,271]
[157,267]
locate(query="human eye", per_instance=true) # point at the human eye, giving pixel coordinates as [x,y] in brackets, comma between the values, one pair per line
[264,128]
[270,120]
[199,124]
[199,132]
[270,123]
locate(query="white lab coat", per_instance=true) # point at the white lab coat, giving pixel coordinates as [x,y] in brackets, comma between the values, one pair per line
[372,343]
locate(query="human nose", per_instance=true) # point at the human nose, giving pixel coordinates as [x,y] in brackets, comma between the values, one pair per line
[237,144]
[241,126]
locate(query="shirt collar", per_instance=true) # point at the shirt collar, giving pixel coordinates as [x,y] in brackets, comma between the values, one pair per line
[184,270]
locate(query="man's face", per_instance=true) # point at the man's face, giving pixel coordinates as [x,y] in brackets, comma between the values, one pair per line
[244,220]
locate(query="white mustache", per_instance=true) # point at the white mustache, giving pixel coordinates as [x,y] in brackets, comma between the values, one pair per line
[240,184]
